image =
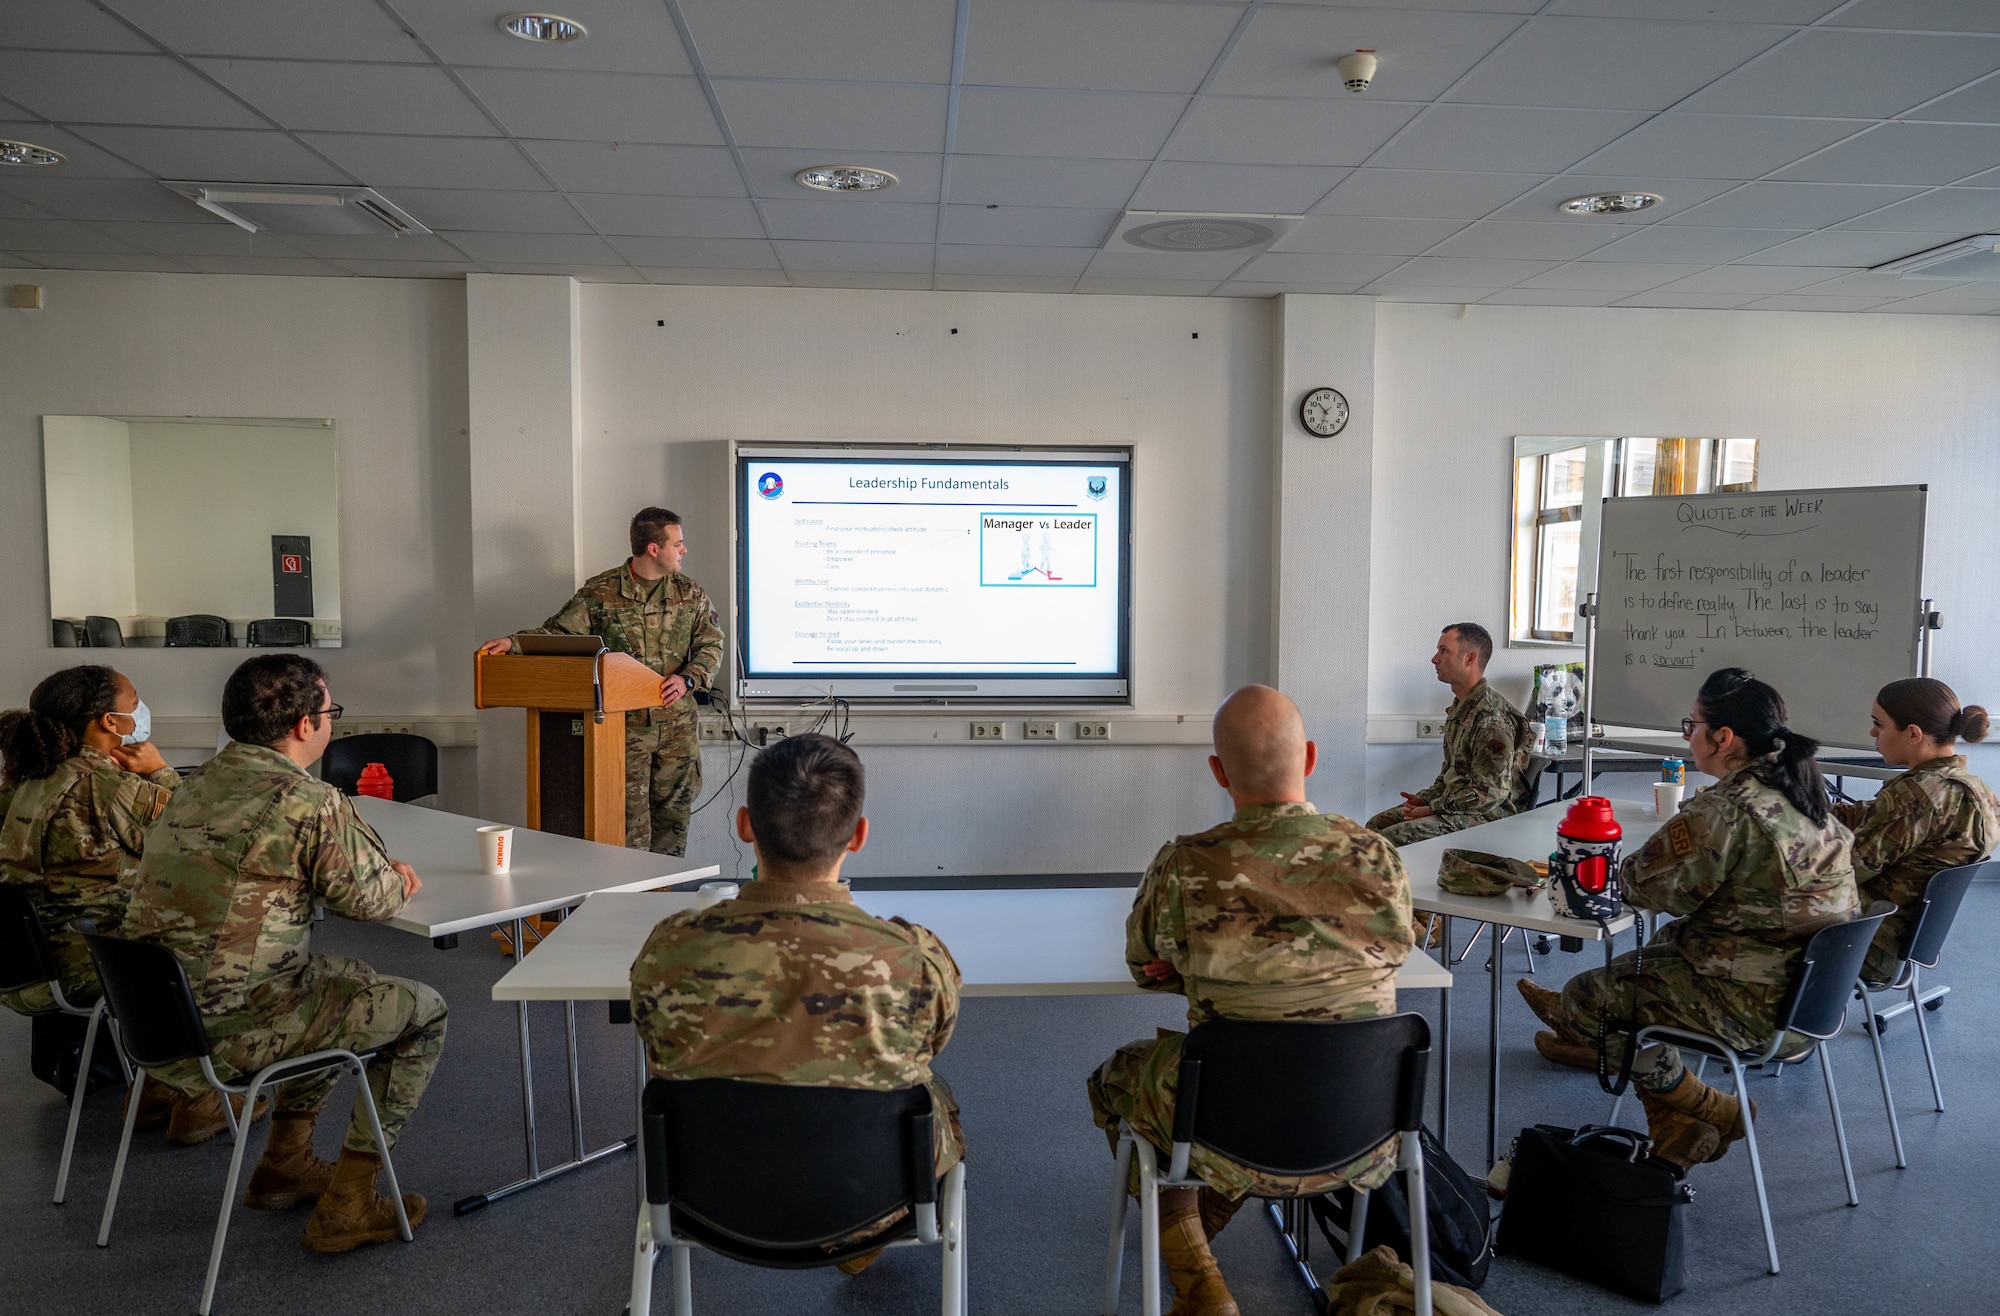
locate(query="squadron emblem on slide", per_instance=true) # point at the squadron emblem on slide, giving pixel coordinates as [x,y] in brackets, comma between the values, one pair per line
[1097,487]
[770,484]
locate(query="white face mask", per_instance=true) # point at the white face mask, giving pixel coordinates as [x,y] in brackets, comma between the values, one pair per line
[142,725]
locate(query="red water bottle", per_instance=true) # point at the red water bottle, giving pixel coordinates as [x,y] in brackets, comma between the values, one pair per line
[375,780]
[1585,864]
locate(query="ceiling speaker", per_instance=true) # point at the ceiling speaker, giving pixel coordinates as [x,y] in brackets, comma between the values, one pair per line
[1199,233]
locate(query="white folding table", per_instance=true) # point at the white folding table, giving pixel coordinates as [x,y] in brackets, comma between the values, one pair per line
[548,873]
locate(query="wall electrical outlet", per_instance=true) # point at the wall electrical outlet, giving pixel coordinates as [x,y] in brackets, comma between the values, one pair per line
[989,730]
[711,729]
[768,733]
[1039,731]
[1093,731]
[1430,729]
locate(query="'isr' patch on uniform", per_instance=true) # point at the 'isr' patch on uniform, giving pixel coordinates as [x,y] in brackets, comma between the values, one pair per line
[1680,838]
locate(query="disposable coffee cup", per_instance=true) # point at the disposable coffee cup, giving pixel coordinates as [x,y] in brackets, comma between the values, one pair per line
[1667,798]
[496,850]
[714,893]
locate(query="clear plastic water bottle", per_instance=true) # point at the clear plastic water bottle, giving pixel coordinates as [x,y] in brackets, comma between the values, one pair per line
[1557,730]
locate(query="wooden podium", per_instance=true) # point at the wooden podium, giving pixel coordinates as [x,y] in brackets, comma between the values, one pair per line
[576,762]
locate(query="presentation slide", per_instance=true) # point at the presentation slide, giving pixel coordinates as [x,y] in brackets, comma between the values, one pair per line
[882,569]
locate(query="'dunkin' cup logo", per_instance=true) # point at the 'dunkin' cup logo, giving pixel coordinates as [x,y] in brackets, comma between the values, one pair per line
[770,484]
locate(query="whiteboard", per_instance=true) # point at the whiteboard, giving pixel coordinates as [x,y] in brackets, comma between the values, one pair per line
[1817,591]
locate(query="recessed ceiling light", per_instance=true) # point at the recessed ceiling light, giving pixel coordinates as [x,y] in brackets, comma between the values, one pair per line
[542,27]
[27,153]
[844,178]
[1200,233]
[1610,203]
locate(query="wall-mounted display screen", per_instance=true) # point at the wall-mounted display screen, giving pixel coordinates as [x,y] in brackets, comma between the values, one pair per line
[925,574]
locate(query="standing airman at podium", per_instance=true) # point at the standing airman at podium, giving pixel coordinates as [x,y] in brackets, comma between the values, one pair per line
[648,609]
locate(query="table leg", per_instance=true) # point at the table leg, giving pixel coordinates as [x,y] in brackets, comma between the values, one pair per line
[527,1067]
[1493,1055]
[1293,1221]
[575,1083]
[1444,1047]
[639,1112]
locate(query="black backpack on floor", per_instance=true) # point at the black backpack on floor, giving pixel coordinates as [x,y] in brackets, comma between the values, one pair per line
[1461,1226]
[55,1053]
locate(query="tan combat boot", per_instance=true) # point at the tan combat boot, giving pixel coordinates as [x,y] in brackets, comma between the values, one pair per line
[197,1119]
[1191,1268]
[156,1103]
[1558,1052]
[289,1173]
[1678,1136]
[1216,1211]
[1696,1099]
[855,1265]
[350,1211]
[1546,1004]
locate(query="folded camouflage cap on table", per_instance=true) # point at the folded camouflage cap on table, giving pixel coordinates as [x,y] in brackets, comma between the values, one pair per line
[1477,873]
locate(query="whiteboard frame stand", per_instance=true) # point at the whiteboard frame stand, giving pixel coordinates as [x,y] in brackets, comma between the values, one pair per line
[1929,622]
[1589,611]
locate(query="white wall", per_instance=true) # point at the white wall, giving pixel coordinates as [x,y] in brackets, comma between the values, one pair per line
[87,466]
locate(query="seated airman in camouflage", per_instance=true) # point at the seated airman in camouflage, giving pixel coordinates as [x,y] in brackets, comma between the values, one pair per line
[1752,867]
[792,982]
[1283,912]
[228,882]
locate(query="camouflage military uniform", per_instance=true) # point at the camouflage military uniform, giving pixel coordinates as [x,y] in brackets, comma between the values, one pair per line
[69,839]
[1485,773]
[227,883]
[1933,817]
[794,983]
[1281,913]
[1751,879]
[669,625]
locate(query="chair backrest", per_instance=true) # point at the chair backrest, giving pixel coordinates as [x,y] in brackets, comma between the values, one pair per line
[26,958]
[279,633]
[198,630]
[158,1021]
[1299,1098]
[1816,1003]
[65,633]
[778,1166]
[1942,896]
[103,633]
[412,762]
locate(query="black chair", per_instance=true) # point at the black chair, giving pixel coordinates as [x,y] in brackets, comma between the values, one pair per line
[412,762]
[1814,1006]
[27,959]
[198,630]
[155,1017]
[779,1175]
[65,633]
[103,633]
[1288,1099]
[279,633]
[1943,894]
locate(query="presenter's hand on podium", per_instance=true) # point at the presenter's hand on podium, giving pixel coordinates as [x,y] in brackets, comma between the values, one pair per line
[1415,807]
[142,758]
[505,644]
[672,689]
[411,882]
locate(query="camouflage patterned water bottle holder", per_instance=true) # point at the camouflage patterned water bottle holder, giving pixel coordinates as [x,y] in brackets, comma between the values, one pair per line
[1477,873]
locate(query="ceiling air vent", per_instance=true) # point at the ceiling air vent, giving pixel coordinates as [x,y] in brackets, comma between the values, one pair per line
[293,208]
[1167,232]
[1955,262]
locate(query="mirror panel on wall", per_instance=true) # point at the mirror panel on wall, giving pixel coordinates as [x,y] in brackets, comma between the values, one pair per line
[192,531]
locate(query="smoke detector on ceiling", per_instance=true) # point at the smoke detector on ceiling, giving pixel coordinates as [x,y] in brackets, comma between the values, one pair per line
[1197,234]
[295,208]
[1357,70]
[1973,258]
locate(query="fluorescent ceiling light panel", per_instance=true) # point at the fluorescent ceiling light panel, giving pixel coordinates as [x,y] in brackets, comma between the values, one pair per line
[298,208]
[1973,258]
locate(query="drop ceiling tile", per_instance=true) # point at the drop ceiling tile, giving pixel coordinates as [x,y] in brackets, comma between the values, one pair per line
[699,253]
[857,257]
[80,88]
[638,167]
[1549,297]
[1450,272]
[1875,283]
[1094,45]
[850,219]
[771,278]
[495,248]
[581,273]
[1691,243]
[1736,11]
[1422,194]
[1501,138]
[1266,288]
[138,262]
[1789,205]
[39,235]
[1690,301]
[625,36]
[104,198]
[1991,178]
[325,29]
[1979,103]
[297,265]
[407,269]
[15,208]
[1004,282]
[1930,153]
[1847,247]
[1234,188]
[1925,306]
[881,41]
[1291,50]
[1541,203]
[1315,267]
[1170,267]
[849,117]
[1717,145]
[1098,124]
[384,247]
[1923,15]
[1361,235]
[484,162]
[1954,210]
[1749,280]
[81,159]
[670,217]
[1511,239]
[360,98]
[220,154]
[1036,262]
[1870,75]
[1420,293]
[875,279]
[489,212]
[205,236]
[1027,226]
[1258,130]
[1799,302]
[773,170]
[1612,63]
[1124,287]
[69,25]
[596,107]
[1964,300]
[1016,180]
[1610,276]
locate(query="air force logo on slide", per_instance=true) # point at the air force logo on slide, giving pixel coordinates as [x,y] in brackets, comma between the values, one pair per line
[1097,487]
[770,485]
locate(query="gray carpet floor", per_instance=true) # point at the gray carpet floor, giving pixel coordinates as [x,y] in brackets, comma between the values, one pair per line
[1922,1238]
